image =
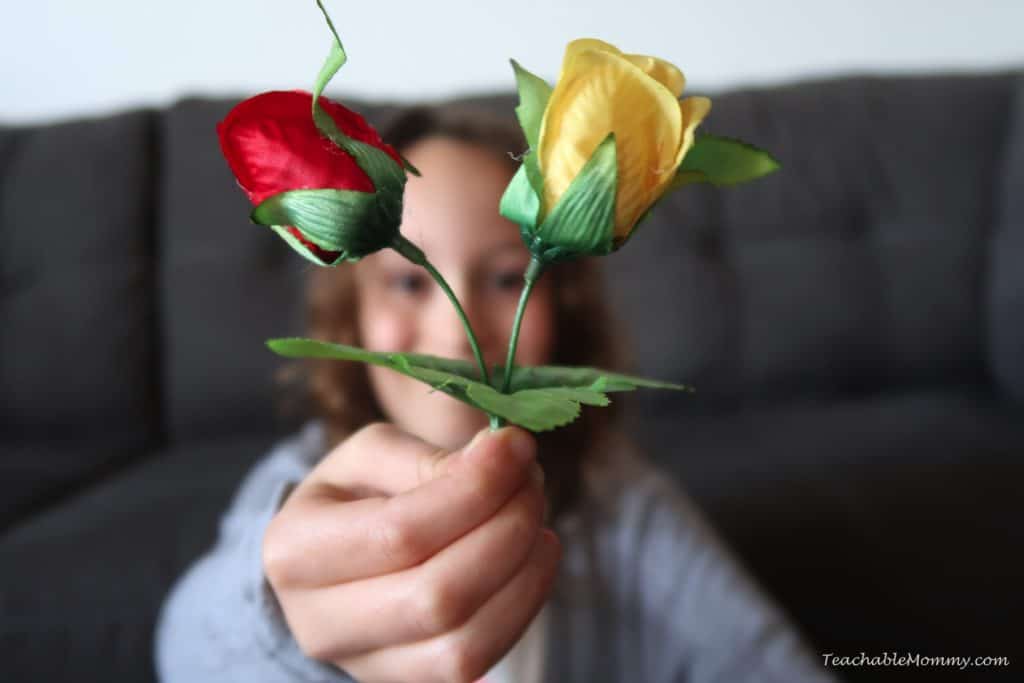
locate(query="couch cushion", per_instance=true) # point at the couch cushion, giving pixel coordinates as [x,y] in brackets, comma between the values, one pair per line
[858,267]
[226,284]
[80,586]
[882,524]
[1006,293]
[77,359]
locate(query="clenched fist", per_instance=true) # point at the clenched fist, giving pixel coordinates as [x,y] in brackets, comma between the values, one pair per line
[396,561]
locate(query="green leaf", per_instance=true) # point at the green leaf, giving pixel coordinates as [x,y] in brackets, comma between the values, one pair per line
[387,175]
[545,376]
[723,161]
[534,93]
[583,220]
[542,398]
[336,220]
[594,378]
[520,204]
[535,409]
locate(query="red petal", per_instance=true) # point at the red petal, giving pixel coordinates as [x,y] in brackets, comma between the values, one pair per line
[272,145]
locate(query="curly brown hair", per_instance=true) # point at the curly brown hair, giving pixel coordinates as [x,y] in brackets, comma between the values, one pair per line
[340,392]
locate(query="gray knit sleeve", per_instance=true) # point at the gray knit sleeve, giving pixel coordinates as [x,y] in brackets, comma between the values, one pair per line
[221,622]
[687,610]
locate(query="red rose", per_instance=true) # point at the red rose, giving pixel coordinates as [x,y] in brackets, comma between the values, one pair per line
[273,146]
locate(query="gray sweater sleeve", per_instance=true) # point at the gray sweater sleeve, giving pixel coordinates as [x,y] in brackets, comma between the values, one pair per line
[221,622]
[683,606]
[666,596]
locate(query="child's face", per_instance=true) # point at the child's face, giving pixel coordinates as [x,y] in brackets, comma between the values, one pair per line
[451,212]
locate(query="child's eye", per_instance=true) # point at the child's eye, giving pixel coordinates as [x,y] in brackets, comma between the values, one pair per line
[408,283]
[509,280]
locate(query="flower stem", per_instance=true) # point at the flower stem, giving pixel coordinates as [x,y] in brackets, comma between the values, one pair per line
[416,255]
[530,277]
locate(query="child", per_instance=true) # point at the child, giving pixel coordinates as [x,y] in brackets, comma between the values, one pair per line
[377,545]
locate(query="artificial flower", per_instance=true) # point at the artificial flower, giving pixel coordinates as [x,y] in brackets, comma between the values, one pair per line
[273,146]
[606,144]
[602,91]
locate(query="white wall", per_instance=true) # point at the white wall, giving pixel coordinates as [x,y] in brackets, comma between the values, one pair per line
[62,58]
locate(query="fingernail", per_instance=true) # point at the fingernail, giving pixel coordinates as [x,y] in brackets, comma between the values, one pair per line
[475,442]
[519,442]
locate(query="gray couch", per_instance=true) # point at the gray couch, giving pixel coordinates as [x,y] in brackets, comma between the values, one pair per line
[854,326]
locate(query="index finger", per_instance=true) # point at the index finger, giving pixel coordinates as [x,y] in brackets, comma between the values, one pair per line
[354,539]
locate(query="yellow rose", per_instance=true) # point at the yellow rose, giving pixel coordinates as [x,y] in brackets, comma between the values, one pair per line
[606,143]
[600,91]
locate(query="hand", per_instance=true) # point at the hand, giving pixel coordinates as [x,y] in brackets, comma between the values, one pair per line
[395,561]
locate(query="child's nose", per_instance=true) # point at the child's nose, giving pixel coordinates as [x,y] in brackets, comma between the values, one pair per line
[448,334]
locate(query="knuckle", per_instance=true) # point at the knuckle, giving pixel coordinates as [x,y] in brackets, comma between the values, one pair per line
[527,515]
[313,643]
[368,438]
[430,466]
[373,432]
[459,662]
[398,543]
[524,529]
[438,609]
[276,555]
[481,488]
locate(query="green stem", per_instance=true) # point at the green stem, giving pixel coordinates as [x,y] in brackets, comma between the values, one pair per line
[416,255]
[530,277]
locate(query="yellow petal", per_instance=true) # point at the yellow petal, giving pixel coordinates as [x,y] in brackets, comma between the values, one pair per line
[602,92]
[666,73]
[692,110]
[582,45]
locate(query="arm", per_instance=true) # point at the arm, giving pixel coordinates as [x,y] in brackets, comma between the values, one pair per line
[370,566]
[221,622]
[701,617]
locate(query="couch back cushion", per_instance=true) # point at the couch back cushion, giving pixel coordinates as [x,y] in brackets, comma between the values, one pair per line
[225,285]
[1006,302]
[860,267]
[77,363]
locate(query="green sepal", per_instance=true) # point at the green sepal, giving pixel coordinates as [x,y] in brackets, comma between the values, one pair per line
[304,252]
[537,409]
[408,165]
[387,175]
[722,162]
[520,203]
[534,93]
[336,220]
[583,220]
[336,57]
